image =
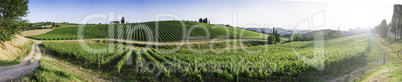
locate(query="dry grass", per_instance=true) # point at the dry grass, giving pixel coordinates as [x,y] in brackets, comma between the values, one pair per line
[10,50]
[35,32]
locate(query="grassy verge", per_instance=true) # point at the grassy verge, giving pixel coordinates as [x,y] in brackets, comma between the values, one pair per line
[390,71]
[53,68]
[50,71]
[24,52]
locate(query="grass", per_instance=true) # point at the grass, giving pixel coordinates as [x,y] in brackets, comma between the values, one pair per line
[9,62]
[54,68]
[276,51]
[67,25]
[20,55]
[390,71]
[50,71]
[56,71]
[388,40]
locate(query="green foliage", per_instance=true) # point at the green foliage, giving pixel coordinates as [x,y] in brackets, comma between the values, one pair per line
[48,71]
[123,61]
[11,12]
[280,58]
[275,37]
[295,37]
[396,24]
[231,64]
[271,40]
[382,29]
[122,20]
[75,51]
[167,31]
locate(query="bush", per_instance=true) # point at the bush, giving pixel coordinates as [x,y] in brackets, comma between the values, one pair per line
[271,39]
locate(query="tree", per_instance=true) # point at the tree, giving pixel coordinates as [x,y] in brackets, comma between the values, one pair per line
[200,20]
[275,37]
[278,37]
[271,39]
[382,29]
[205,20]
[122,20]
[11,13]
[396,20]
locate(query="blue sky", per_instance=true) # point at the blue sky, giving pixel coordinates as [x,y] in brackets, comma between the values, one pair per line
[250,13]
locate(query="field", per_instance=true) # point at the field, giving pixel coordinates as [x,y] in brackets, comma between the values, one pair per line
[199,41]
[278,63]
[164,31]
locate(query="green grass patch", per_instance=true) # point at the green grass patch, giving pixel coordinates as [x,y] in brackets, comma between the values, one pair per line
[49,71]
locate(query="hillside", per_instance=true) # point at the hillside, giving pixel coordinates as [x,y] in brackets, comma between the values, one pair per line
[281,31]
[11,51]
[165,31]
[335,56]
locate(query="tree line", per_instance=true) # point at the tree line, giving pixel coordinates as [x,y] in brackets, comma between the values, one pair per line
[396,22]
[205,20]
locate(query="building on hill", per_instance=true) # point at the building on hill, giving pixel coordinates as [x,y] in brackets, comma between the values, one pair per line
[114,22]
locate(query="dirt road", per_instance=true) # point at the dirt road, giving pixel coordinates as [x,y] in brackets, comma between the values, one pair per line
[8,73]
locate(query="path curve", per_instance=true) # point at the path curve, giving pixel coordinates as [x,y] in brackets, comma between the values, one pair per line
[9,73]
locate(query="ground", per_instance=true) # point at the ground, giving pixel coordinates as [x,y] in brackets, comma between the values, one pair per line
[390,71]
[12,51]
[35,32]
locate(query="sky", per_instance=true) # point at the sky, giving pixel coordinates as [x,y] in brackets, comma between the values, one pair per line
[288,14]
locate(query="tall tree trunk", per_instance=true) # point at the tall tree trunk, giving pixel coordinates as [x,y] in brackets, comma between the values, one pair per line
[99,65]
[400,34]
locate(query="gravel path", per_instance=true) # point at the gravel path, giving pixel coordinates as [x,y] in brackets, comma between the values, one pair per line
[9,73]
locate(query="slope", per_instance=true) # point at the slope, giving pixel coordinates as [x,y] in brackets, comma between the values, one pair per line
[160,31]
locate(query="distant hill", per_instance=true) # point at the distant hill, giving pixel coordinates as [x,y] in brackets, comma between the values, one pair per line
[167,31]
[282,31]
[313,32]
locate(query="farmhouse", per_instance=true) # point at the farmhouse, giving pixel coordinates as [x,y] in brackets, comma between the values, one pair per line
[114,22]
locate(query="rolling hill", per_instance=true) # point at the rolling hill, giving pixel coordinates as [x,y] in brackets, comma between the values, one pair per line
[165,31]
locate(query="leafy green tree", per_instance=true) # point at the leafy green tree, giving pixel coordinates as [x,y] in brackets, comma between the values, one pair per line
[271,39]
[291,37]
[11,13]
[275,37]
[122,20]
[278,37]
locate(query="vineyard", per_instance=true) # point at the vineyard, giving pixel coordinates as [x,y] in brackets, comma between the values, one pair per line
[74,51]
[227,65]
[161,31]
[238,64]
